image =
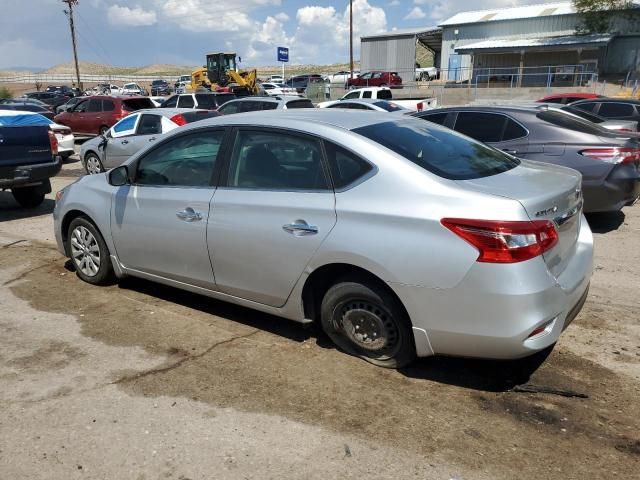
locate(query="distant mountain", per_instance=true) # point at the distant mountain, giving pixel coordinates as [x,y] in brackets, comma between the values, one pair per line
[24,69]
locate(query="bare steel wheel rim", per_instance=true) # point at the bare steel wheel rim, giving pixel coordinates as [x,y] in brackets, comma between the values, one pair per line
[93,165]
[370,327]
[85,251]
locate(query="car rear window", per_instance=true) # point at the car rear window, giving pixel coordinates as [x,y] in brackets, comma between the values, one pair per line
[385,94]
[616,110]
[199,115]
[438,150]
[206,100]
[133,104]
[572,123]
[389,106]
[300,104]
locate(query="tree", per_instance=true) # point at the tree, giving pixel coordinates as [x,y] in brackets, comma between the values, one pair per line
[596,14]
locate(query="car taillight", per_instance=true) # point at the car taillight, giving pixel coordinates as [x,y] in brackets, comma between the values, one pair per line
[420,106]
[500,241]
[53,143]
[179,119]
[613,154]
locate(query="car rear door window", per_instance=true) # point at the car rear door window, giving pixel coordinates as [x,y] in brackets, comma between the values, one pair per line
[108,106]
[276,161]
[149,124]
[229,108]
[513,130]
[587,106]
[171,102]
[346,167]
[186,101]
[439,150]
[485,127]
[609,110]
[187,160]
[351,95]
[367,94]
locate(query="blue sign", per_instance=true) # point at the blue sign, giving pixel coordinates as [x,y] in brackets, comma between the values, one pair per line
[283,54]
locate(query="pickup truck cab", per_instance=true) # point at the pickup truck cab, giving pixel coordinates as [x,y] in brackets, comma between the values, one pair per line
[28,158]
[384,93]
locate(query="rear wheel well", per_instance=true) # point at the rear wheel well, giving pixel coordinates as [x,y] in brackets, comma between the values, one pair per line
[322,279]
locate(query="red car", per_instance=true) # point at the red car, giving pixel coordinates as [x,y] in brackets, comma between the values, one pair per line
[95,115]
[565,98]
[376,79]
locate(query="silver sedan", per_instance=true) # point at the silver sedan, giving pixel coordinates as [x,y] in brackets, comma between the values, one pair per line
[399,237]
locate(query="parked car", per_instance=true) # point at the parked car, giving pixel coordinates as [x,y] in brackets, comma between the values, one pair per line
[95,115]
[366,104]
[611,108]
[252,104]
[376,79]
[457,212]
[133,133]
[275,79]
[277,89]
[608,161]
[132,89]
[207,101]
[27,107]
[565,98]
[105,89]
[160,87]
[72,102]
[181,87]
[52,99]
[618,125]
[384,93]
[341,77]
[61,90]
[28,158]
[301,82]
[64,136]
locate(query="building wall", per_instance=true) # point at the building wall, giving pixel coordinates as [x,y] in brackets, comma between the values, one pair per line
[623,55]
[388,53]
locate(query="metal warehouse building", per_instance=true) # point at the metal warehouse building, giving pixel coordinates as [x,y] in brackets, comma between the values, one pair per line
[536,36]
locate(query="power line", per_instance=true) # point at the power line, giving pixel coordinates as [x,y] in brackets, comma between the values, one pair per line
[106,56]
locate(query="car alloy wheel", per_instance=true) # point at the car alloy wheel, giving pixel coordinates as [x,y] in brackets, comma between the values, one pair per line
[93,164]
[85,251]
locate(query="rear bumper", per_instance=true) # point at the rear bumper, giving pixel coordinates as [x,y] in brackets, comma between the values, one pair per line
[621,188]
[492,312]
[23,175]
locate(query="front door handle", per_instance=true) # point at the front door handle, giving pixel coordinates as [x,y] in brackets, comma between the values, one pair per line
[124,142]
[300,228]
[152,139]
[189,215]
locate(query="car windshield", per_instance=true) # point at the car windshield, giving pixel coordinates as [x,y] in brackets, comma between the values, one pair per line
[157,82]
[22,120]
[439,150]
[389,106]
[561,119]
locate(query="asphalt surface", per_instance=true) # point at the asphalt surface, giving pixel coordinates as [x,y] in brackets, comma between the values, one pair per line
[142,381]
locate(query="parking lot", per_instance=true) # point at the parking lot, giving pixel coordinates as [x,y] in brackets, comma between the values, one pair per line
[142,381]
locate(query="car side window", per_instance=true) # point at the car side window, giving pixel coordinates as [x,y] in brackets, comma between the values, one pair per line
[608,110]
[438,118]
[81,107]
[171,102]
[366,94]
[346,168]
[268,105]
[149,124]
[186,161]
[352,95]
[108,106]
[485,127]
[95,105]
[227,108]
[587,107]
[186,101]
[276,161]
[513,130]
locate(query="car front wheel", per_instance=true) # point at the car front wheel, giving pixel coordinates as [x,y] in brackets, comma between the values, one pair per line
[366,321]
[89,252]
[92,164]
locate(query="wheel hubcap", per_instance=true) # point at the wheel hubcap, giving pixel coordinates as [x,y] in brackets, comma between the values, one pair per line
[93,165]
[369,327]
[85,251]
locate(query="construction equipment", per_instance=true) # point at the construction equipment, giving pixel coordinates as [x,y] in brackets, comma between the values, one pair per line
[221,75]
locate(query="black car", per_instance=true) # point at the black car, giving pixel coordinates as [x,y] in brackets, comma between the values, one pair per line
[301,82]
[27,107]
[61,90]
[160,87]
[53,99]
[611,108]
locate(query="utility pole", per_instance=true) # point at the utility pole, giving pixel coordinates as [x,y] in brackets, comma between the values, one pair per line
[351,37]
[69,14]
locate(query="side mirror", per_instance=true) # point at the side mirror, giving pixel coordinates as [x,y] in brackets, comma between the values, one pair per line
[119,176]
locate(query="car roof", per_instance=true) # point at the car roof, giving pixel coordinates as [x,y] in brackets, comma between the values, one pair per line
[486,108]
[607,100]
[273,99]
[168,112]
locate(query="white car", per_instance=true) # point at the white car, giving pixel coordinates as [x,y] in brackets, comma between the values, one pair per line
[275,79]
[341,77]
[66,140]
[105,89]
[181,87]
[131,89]
[278,89]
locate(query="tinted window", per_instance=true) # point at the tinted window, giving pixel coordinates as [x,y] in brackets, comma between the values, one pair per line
[609,110]
[384,94]
[300,104]
[149,125]
[513,130]
[206,101]
[171,102]
[346,168]
[592,117]
[352,95]
[133,104]
[229,108]
[276,161]
[572,123]
[199,115]
[125,124]
[183,161]
[82,106]
[366,94]
[588,107]
[95,106]
[264,105]
[439,150]
[186,101]
[438,118]
[108,106]
[485,127]
[388,106]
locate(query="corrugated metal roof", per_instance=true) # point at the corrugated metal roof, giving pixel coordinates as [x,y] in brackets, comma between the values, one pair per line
[567,40]
[403,32]
[495,14]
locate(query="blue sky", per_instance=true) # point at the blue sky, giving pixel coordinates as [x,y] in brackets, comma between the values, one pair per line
[140,32]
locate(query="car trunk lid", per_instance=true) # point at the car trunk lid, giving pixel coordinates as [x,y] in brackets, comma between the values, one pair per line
[546,192]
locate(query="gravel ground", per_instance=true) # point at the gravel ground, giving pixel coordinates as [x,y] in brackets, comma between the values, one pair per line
[143,381]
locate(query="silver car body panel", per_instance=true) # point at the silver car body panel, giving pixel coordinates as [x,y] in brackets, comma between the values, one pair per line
[388,225]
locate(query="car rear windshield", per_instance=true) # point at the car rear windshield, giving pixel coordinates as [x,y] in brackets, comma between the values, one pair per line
[439,150]
[389,106]
[133,104]
[572,123]
[300,104]
[385,94]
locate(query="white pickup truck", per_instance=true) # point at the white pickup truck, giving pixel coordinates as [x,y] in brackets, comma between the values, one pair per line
[384,93]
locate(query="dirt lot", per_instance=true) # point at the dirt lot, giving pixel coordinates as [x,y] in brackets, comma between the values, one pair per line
[143,381]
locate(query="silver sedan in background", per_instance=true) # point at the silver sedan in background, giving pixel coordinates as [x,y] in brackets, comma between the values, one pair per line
[401,238]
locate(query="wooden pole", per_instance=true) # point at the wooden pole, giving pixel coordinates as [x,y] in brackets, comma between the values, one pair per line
[351,38]
[69,13]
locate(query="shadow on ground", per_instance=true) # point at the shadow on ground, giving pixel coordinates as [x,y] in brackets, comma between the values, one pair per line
[10,210]
[605,222]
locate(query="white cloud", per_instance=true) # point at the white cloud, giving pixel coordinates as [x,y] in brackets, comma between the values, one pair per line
[282,17]
[131,17]
[393,3]
[415,14]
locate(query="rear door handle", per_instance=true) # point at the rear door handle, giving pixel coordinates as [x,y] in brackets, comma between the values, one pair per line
[124,142]
[152,139]
[189,215]
[300,228]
